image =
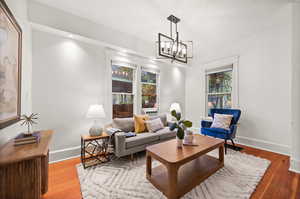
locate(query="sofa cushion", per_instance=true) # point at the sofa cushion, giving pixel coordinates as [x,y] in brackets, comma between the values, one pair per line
[124,124]
[163,118]
[165,133]
[216,132]
[141,139]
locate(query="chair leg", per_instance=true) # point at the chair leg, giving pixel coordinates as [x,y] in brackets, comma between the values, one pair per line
[226,146]
[232,143]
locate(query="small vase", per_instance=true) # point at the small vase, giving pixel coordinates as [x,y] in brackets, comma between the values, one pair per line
[179,142]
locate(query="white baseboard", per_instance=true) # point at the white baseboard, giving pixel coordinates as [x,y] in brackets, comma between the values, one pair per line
[259,144]
[295,165]
[64,154]
[264,145]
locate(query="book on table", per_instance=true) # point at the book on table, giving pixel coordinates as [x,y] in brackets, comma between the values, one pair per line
[22,138]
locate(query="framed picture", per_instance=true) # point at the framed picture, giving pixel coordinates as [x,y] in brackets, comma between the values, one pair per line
[10,67]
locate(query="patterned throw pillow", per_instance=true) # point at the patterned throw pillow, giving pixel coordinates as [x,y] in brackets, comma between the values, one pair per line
[154,125]
[139,123]
[221,121]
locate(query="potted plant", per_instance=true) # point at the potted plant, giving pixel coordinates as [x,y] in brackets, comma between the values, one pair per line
[180,125]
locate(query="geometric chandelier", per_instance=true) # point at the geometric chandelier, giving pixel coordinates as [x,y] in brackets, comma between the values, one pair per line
[170,47]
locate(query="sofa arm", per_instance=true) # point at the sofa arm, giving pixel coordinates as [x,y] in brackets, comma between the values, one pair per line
[206,124]
[119,143]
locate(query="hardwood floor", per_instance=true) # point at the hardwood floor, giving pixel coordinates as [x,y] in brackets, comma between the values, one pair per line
[277,183]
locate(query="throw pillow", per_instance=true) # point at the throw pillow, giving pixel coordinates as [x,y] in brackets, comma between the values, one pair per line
[139,123]
[154,125]
[163,118]
[125,124]
[221,121]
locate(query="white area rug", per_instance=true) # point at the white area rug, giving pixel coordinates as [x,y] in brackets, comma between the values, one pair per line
[125,179]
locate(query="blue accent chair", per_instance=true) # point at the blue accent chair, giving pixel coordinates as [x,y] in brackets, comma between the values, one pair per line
[222,133]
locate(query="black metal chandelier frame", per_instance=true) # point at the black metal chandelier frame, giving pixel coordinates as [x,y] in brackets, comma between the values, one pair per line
[173,48]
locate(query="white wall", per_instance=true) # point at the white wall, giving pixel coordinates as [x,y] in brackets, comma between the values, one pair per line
[264,84]
[51,17]
[19,10]
[69,75]
[295,156]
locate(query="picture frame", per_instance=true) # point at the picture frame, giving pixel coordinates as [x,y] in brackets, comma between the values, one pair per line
[10,67]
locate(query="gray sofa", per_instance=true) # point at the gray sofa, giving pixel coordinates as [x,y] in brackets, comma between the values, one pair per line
[127,146]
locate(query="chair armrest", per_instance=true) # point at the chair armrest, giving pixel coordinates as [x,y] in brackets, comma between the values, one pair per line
[119,143]
[206,124]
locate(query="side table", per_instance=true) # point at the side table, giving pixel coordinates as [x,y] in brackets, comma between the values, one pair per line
[94,149]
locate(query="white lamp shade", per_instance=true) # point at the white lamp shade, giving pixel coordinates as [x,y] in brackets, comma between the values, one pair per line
[95,111]
[175,106]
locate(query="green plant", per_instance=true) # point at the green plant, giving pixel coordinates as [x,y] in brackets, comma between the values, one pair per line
[180,125]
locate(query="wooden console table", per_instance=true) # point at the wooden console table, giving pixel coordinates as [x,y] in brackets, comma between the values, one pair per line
[24,169]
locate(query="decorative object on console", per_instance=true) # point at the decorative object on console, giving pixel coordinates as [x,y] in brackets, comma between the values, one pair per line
[24,138]
[96,112]
[219,132]
[10,67]
[180,126]
[170,47]
[29,121]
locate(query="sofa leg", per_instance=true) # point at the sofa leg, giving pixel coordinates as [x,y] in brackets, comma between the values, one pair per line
[226,146]
[131,157]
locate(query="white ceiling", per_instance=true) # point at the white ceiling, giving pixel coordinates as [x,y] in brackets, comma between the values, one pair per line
[206,22]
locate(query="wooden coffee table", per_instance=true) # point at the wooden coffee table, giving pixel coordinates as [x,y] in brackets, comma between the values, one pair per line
[195,166]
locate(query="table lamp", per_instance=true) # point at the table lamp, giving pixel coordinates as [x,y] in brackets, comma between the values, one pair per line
[96,112]
[175,106]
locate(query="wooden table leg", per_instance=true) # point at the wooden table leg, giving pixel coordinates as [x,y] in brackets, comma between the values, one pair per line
[148,165]
[221,153]
[172,174]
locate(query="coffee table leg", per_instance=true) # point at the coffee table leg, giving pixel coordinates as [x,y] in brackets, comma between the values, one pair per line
[148,165]
[172,174]
[221,153]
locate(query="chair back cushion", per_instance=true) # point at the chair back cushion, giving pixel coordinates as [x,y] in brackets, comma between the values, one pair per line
[221,121]
[236,113]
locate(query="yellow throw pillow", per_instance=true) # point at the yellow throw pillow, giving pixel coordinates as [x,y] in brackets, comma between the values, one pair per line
[139,123]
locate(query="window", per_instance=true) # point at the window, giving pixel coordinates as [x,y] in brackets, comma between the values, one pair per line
[123,91]
[219,89]
[149,91]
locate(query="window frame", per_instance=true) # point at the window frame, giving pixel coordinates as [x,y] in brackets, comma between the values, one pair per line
[149,110]
[134,84]
[222,65]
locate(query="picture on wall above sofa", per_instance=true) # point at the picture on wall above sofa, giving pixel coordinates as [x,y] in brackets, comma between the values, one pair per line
[10,67]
